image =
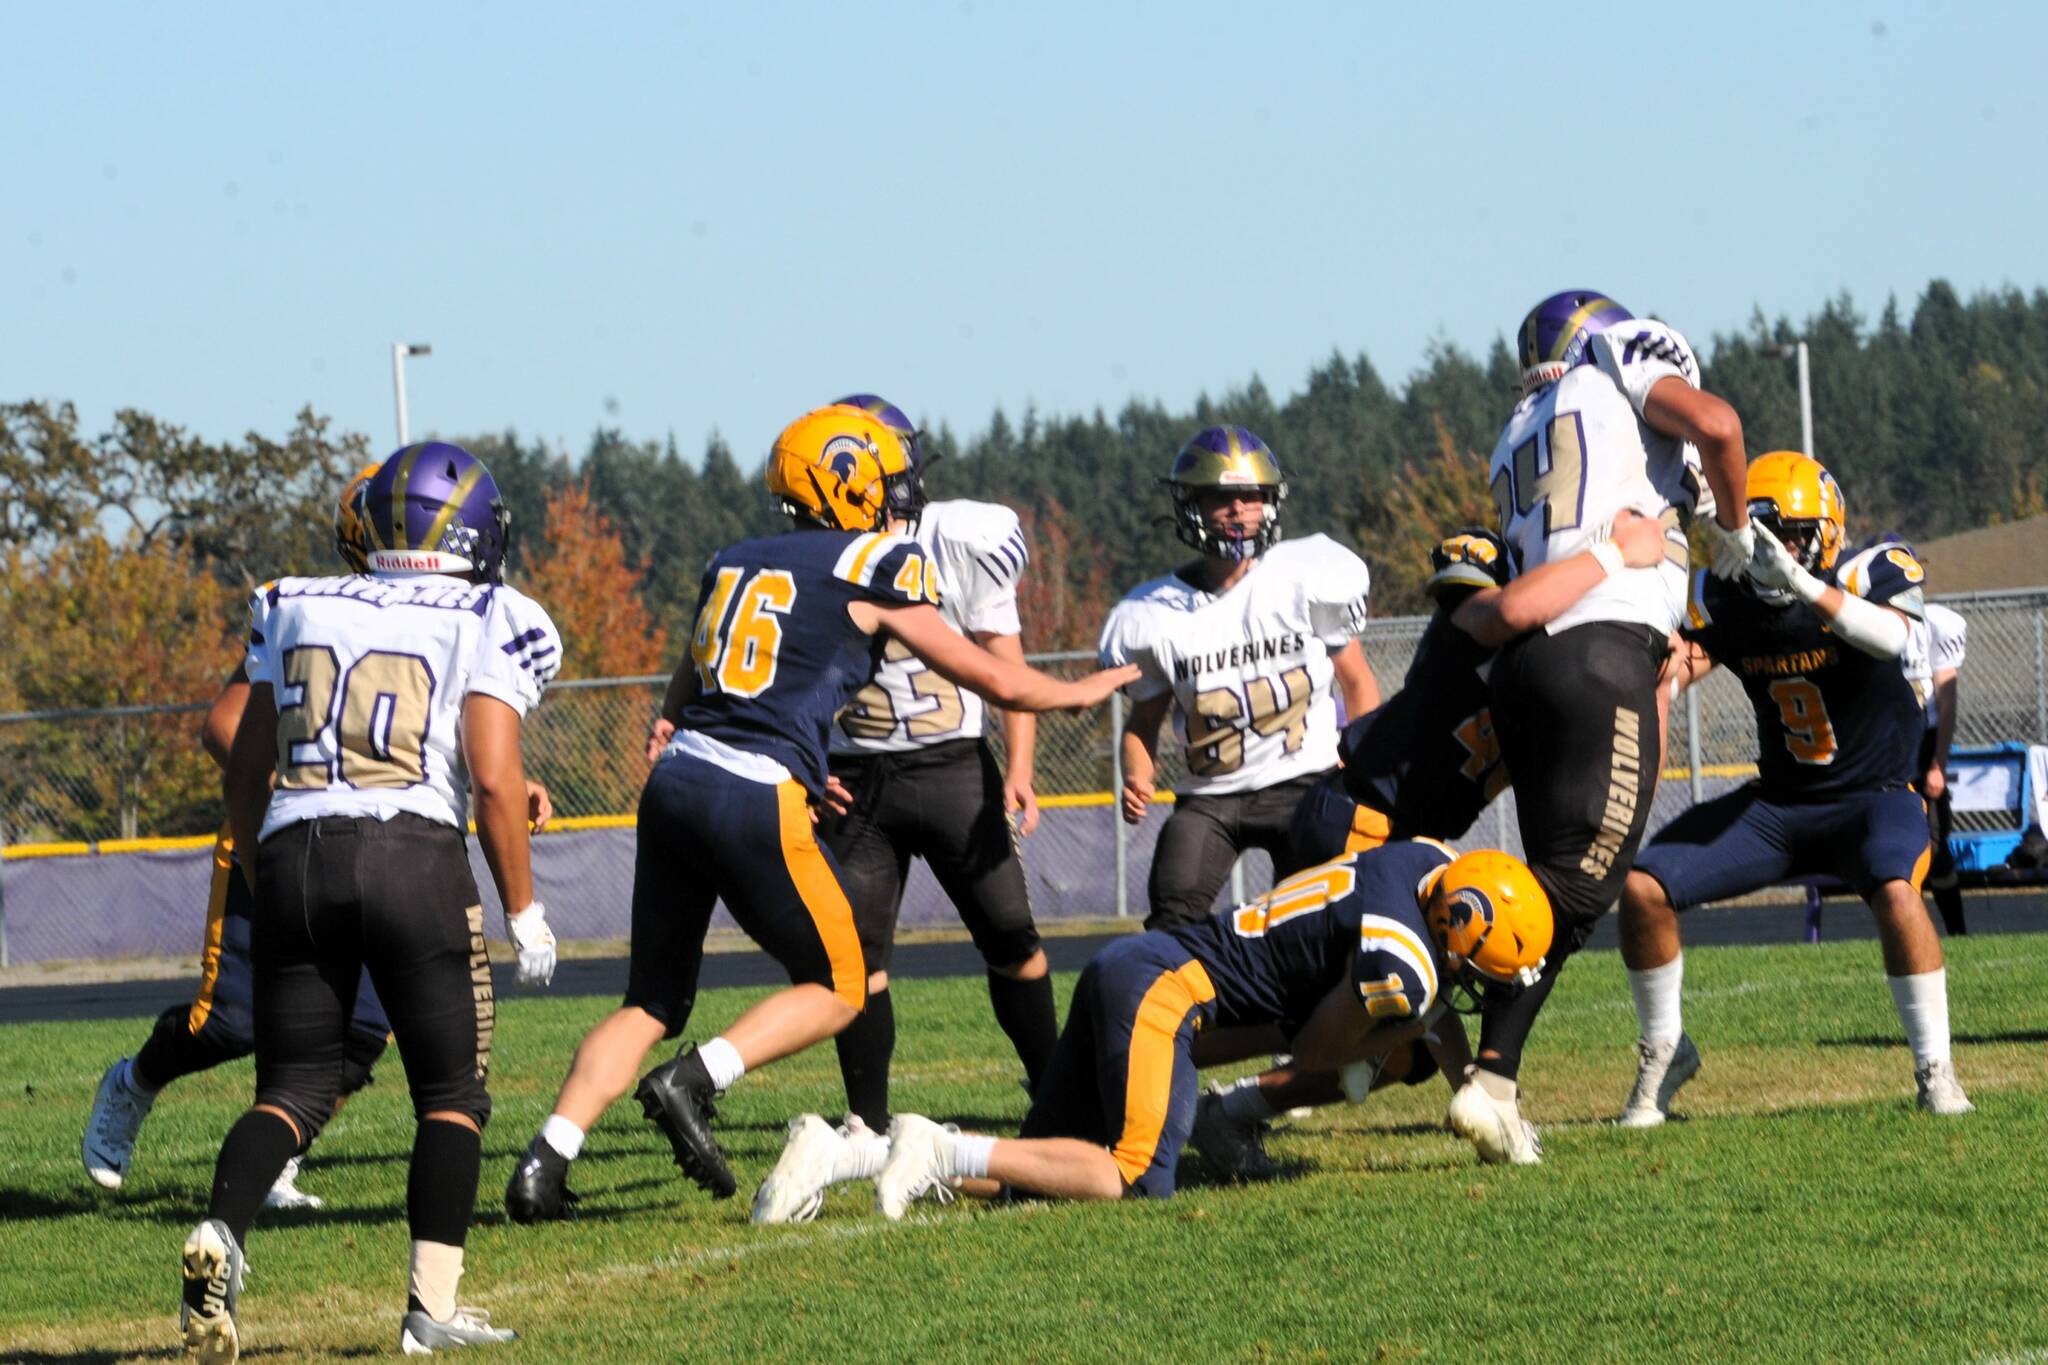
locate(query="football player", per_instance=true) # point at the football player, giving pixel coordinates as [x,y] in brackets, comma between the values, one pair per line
[1816,647]
[1425,763]
[1613,417]
[1241,646]
[1350,959]
[377,706]
[789,627]
[924,783]
[217,1026]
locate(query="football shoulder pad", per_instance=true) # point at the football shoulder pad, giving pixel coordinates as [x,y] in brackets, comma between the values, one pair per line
[1335,583]
[1637,354]
[1396,968]
[1888,575]
[983,536]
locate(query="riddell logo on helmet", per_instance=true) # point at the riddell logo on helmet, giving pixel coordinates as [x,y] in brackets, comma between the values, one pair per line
[411,561]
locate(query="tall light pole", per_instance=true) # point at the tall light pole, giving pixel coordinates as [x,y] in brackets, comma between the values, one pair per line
[1797,351]
[399,351]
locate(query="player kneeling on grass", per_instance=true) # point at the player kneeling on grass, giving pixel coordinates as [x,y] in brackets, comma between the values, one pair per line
[789,628]
[377,705]
[1817,649]
[1351,959]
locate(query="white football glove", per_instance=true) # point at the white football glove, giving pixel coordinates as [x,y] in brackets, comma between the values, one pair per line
[535,942]
[1733,550]
[1773,566]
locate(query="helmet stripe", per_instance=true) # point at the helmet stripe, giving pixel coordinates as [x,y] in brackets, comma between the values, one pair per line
[453,505]
[399,478]
[1573,323]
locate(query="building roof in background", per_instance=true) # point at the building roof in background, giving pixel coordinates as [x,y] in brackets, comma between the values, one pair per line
[2013,554]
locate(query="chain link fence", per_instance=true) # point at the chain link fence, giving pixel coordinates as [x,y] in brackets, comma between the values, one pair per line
[131,780]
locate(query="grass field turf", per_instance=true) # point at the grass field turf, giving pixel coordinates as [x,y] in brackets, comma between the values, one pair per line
[1804,1209]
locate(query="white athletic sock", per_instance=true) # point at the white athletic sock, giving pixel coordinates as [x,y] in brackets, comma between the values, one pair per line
[1498,1087]
[1657,995]
[722,1060]
[866,1153]
[1245,1102]
[1922,1003]
[562,1135]
[967,1155]
[436,1273]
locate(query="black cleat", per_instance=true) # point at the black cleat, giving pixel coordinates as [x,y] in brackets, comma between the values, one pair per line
[684,1111]
[538,1191]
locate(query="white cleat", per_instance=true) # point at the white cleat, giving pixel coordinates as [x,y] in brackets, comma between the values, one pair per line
[118,1110]
[1940,1091]
[1661,1068]
[916,1165]
[421,1335]
[286,1194]
[795,1190]
[1495,1127]
[212,1271]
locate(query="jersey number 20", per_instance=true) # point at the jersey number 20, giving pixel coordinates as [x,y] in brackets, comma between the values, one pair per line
[738,657]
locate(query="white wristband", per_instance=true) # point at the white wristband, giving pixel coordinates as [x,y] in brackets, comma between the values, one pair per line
[1609,555]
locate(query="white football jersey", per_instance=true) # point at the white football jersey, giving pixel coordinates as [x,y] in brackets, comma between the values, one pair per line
[980,553]
[369,676]
[1935,644]
[1577,452]
[1249,670]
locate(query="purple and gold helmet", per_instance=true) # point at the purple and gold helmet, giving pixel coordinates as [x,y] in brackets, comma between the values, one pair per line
[906,496]
[434,508]
[1225,457]
[1555,333]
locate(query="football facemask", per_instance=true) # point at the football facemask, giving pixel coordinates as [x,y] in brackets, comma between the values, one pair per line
[1225,458]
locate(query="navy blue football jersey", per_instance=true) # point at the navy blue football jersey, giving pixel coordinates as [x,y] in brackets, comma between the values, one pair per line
[1427,758]
[775,651]
[1829,718]
[1273,961]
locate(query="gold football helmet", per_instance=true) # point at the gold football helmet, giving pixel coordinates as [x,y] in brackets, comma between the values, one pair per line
[1492,919]
[1793,497]
[351,533]
[837,467]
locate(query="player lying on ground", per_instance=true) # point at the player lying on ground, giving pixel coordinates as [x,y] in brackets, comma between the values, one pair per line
[1838,731]
[1350,959]
[376,706]
[789,627]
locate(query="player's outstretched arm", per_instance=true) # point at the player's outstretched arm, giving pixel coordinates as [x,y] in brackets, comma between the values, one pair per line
[1494,616]
[252,757]
[1879,631]
[1676,408]
[1003,681]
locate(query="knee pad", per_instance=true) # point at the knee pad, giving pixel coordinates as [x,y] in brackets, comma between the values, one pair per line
[464,1096]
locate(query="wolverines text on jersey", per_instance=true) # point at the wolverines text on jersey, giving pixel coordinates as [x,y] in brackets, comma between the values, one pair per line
[1250,668]
[369,676]
[775,651]
[1359,918]
[979,553]
[1578,451]
[1829,718]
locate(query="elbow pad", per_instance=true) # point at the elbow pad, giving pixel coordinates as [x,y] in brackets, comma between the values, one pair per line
[1878,631]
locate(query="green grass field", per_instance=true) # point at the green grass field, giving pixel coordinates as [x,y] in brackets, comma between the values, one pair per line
[1804,1210]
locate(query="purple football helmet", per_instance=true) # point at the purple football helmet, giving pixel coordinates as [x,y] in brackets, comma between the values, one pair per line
[1555,333]
[903,498]
[434,508]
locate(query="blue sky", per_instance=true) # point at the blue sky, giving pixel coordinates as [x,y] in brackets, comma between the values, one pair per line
[684,217]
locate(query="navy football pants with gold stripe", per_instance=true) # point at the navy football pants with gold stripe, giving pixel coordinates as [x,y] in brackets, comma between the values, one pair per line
[1124,1074]
[706,835]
